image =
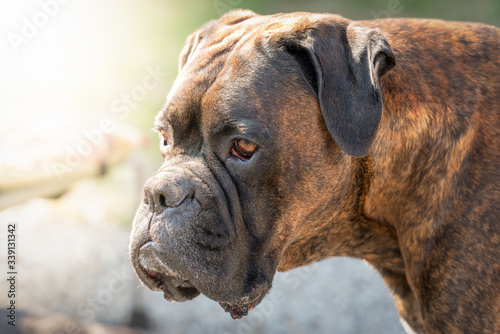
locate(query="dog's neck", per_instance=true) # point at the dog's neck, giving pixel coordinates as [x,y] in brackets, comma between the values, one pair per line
[350,233]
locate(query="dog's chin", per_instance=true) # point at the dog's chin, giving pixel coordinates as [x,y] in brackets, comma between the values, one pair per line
[179,290]
[241,307]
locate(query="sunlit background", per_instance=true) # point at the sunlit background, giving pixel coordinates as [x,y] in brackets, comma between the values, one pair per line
[80,83]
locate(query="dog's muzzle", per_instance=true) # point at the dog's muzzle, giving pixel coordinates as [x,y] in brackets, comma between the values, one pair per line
[184,243]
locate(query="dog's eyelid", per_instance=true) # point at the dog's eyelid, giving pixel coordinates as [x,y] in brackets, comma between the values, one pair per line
[160,124]
[157,128]
[163,132]
[166,139]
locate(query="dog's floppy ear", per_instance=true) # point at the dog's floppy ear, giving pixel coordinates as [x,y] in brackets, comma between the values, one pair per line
[343,63]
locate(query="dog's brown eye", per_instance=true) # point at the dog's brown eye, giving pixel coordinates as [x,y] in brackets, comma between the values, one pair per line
[243,149]
[165,137]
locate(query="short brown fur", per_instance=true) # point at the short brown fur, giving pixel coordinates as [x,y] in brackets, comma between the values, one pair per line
[422,207]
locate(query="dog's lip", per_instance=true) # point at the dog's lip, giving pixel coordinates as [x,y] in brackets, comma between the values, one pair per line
[174,289]
[178,290]
[150,278]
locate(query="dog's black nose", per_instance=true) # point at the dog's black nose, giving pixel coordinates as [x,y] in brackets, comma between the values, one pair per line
[166,190]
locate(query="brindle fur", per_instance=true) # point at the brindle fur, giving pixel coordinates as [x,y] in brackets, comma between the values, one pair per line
[416,193]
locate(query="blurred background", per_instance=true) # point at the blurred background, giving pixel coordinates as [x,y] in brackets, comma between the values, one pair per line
[81,82]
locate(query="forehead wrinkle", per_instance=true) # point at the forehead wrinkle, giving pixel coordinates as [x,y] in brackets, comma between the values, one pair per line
[210,60]
[222,115]
[227,36]
[219,41]
[203,76]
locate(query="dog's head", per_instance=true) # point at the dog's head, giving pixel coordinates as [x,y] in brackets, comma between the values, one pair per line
[258,136]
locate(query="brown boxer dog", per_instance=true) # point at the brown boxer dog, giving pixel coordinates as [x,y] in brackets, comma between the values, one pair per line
[291,138]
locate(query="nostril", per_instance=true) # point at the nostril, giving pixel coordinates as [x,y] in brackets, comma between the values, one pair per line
[162,201]
[167,201]
[166,190]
